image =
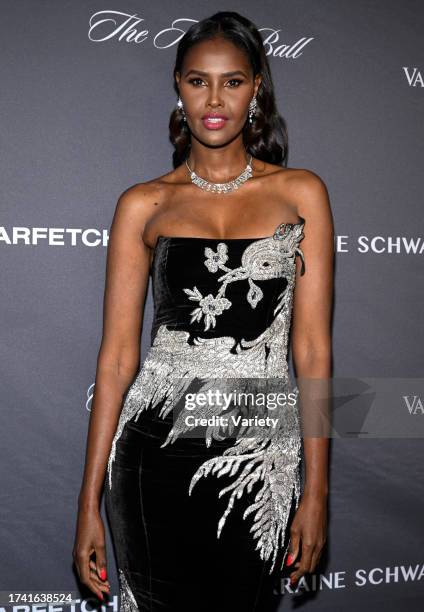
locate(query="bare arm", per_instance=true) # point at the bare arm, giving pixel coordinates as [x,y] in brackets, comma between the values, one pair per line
[311,332]
[312,357]
[127,275]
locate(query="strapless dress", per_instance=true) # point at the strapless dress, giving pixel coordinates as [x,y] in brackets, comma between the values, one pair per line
[199,515]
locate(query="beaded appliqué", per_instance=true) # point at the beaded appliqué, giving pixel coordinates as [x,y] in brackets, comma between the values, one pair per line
[128,602]
[171,364]
[261,260]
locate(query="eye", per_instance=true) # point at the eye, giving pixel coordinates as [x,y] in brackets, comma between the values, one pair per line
[233,82]
[237,81]
[192,81]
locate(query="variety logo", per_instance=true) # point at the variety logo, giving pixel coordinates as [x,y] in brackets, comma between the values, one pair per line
[130,28]
[414,404]
[413,76]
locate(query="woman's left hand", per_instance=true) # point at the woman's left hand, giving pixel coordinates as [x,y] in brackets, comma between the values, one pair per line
[308,534]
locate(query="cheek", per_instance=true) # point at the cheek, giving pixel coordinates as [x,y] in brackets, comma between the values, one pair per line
[241,111]
[196,103]
[242,106]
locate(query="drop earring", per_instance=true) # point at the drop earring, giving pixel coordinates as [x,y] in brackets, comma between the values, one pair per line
[252,109]
[181,107]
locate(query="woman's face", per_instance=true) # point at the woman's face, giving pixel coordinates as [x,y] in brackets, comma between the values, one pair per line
[216,79]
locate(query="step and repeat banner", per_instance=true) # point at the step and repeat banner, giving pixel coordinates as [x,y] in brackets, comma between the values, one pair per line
[86,94]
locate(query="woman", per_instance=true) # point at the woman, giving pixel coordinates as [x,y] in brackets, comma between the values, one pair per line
[220,236]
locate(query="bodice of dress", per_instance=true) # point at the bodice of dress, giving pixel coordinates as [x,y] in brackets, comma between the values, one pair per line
[212,287]
[234,293]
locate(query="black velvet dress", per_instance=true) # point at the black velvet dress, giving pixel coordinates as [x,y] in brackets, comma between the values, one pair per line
[199,517]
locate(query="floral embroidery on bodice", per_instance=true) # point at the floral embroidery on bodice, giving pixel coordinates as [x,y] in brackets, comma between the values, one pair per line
[261,260]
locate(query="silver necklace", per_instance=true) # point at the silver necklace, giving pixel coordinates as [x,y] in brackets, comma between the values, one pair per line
[221,187]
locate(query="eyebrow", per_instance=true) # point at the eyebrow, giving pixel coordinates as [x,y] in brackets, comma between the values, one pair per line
[224,74]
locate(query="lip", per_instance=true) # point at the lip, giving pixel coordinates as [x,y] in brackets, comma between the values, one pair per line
[214,121]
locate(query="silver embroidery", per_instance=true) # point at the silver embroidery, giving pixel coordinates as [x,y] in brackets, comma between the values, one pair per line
[275,463]
[209,306]
[261,260]
[171,364]
[128,601]
[214,261]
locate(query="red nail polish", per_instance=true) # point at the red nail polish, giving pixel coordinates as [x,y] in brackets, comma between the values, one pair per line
[289,559]
[103,573]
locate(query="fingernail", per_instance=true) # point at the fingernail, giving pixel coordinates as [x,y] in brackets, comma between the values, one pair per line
[103,573]
[289,559]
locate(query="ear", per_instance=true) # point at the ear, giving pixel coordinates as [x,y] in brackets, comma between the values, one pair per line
[258,80]
[177,77]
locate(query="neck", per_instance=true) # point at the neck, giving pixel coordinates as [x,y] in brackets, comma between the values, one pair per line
[217,165]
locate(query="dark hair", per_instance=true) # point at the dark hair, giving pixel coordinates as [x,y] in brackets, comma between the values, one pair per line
[266,138]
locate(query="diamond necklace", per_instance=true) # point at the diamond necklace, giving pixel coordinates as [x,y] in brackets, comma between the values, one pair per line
[221,187]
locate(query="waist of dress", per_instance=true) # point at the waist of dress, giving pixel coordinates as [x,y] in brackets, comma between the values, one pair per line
[176,341]
[176,352]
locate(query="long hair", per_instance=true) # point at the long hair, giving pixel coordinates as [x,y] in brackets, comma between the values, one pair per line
[266,138]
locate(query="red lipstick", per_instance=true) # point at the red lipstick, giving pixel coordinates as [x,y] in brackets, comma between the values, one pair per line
[214,121]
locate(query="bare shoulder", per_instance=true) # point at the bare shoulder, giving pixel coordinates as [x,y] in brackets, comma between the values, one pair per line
[309,194]
[301,190]
[138,203]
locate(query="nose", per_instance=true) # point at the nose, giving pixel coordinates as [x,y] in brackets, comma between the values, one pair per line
[214,98]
